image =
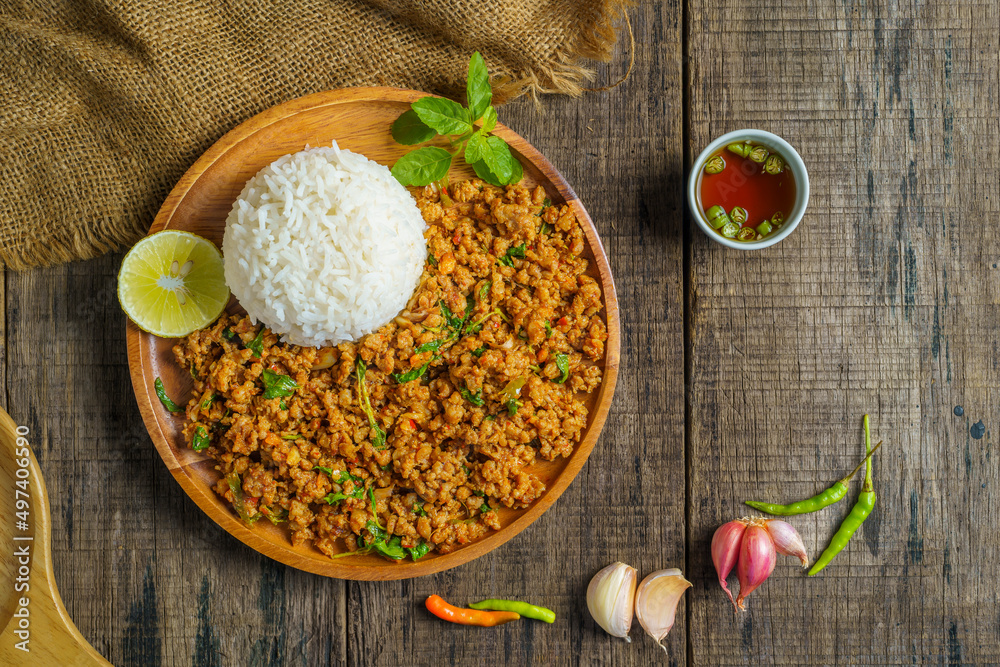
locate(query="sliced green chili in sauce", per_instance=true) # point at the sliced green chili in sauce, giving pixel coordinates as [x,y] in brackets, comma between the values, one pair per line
[161,393]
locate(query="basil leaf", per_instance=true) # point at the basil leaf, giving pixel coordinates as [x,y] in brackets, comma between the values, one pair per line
[410,375]
[498,158]
[332,498]
[276,385]
[517,251]
[422,166]
[548,330]
[328,471]
[562,363]
[419,510]
[207,403]
[479,352]
[161,393]
[485,290]
[483,172]
[489,119]
[228,334]
[427,347]
[445,116]
[476,398]
[517,173]
[418,551]
[408,129]
[201,440]
[391,549]
[257,344]
[475,147]
[512,406]
[478,93]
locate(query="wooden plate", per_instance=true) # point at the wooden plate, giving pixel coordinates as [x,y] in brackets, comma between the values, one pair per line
[358,119]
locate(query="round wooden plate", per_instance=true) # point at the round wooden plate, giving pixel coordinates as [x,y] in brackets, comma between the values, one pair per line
[358,119]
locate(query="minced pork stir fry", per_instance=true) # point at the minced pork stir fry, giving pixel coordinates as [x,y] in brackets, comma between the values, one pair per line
[408,441]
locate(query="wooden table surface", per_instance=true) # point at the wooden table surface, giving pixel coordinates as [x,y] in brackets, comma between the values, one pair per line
[743,375]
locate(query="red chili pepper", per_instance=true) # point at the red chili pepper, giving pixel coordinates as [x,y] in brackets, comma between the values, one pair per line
[413,425]
[563,321]
[437,606]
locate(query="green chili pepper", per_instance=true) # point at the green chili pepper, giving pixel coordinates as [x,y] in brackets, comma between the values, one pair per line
[161,393]
[774,164]
[860,512]
[730,230]
[721,221]
[764,228]
[746,234]
[715,212]
[778,219]
[817,502]
[257,344]
[740,148]
[738,215]
[715,164]
[522,608]
[758,154]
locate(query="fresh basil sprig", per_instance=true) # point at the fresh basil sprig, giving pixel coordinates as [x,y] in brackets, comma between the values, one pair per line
[429,117]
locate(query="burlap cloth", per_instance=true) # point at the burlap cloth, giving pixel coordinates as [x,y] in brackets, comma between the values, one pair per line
[104,104]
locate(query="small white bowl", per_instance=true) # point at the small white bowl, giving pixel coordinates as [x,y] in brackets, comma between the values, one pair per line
[779,146]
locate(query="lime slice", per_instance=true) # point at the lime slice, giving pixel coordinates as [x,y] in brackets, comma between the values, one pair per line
[172,283]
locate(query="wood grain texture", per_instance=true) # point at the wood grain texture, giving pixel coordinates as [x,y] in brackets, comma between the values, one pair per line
[885,300]
[358,119]
[34,624]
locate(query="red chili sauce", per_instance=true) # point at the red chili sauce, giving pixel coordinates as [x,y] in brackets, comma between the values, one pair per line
[745,183]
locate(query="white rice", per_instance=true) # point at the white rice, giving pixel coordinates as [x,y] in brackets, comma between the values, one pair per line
[324,246]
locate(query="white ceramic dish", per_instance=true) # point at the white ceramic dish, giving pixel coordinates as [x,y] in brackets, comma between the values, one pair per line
[779,146]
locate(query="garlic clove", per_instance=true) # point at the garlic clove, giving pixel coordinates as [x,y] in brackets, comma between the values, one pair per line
[726,550]
[757,558]
[786,540]
[656,602]
[610,599]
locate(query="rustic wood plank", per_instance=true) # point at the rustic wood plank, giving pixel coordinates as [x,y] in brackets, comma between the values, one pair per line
[885,300]
[620,151]
[146,576]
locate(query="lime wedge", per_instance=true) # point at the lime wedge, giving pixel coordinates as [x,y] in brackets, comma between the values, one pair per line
[172,283]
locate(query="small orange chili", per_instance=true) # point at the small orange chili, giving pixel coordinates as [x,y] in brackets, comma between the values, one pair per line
[437,606]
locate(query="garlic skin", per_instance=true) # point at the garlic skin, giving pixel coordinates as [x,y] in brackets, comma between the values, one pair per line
[610,599]
[726,550]
[656,602]
[757,559]
[786,540]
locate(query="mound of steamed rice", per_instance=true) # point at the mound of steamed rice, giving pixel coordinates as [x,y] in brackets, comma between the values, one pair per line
[324,246]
